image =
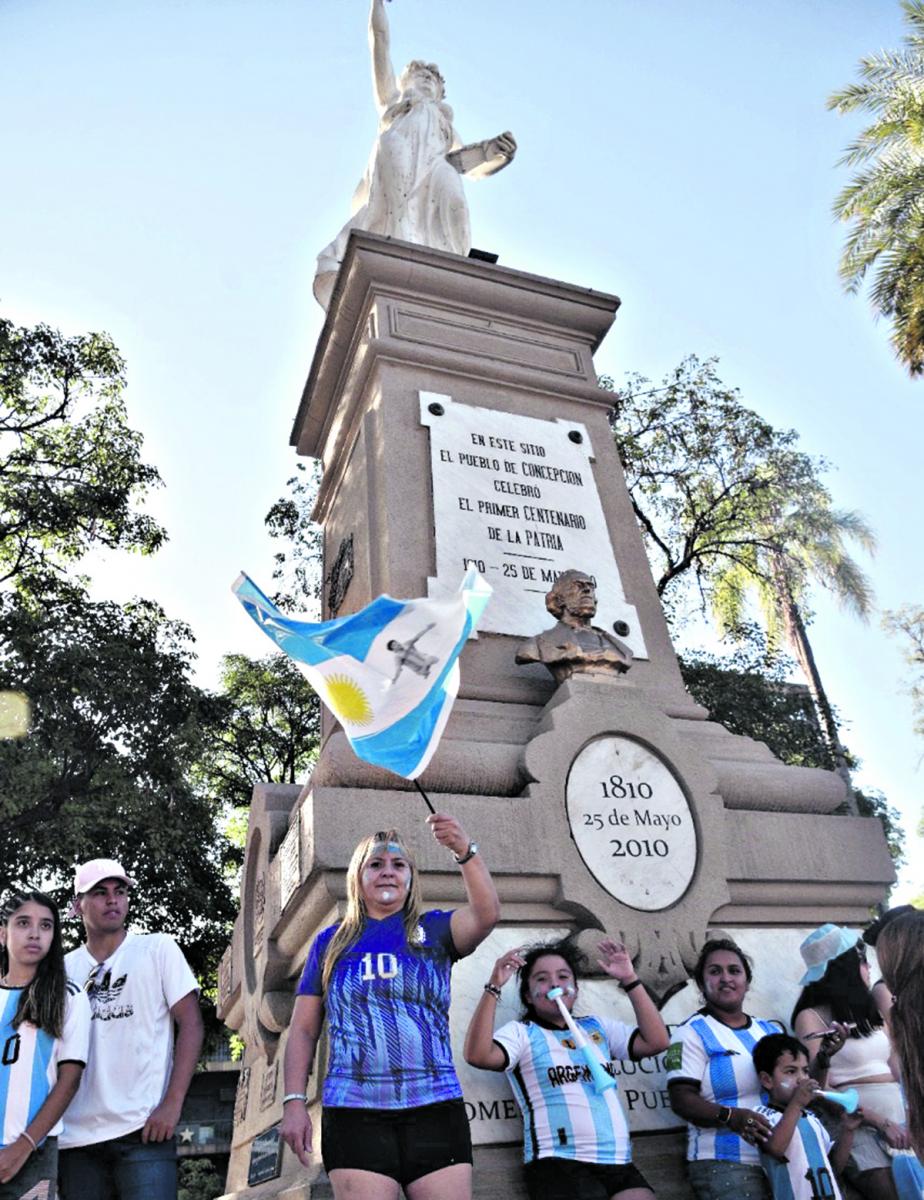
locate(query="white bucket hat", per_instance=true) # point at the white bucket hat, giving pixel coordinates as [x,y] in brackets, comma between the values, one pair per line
[821,946]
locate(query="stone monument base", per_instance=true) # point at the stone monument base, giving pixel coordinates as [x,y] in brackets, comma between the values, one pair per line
[455,409]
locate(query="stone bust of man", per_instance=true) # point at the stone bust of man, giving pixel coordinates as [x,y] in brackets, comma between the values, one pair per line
[573,645]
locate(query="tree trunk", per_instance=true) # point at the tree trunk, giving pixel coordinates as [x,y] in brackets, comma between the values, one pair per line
[797,636]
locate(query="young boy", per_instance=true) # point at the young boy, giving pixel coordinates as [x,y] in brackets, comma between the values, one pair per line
[795,1156]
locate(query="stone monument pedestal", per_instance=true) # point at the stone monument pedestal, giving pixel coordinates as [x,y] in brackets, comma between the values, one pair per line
[454,407]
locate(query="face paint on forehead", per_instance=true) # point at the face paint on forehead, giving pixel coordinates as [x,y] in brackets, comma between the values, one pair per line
[391,847]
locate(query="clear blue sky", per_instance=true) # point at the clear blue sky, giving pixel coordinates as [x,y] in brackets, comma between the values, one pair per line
[172,167]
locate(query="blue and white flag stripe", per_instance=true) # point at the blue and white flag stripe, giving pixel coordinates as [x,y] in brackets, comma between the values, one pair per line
[389,672]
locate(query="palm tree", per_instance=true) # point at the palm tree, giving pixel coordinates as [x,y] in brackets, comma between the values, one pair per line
[733,507]
[803,541]
[884,202]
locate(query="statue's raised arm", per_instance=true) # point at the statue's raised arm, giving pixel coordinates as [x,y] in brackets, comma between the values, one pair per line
[384,87]
[412,188]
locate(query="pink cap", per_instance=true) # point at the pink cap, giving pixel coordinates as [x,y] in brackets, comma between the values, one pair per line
[89,874]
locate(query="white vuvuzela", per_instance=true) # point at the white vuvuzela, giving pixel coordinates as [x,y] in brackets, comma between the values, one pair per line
[602,1081]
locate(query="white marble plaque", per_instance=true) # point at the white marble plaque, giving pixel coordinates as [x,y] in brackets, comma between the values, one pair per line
[516,497]
[631,823]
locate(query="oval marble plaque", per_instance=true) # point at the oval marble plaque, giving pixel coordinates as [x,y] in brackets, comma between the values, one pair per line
[631,823]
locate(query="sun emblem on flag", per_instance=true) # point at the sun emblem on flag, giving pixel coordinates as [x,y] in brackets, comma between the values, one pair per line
[348,700]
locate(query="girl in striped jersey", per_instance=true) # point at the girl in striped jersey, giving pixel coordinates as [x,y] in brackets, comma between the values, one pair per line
[44,1034]
[576,1140]
[712,1081]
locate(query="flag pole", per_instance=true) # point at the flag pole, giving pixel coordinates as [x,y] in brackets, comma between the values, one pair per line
[425,796]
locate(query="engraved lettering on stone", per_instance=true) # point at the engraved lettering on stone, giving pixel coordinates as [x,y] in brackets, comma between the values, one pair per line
[631,823]
[516,497]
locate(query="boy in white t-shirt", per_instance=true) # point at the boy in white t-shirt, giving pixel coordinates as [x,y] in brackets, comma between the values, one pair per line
[118,1133]
[799,1157]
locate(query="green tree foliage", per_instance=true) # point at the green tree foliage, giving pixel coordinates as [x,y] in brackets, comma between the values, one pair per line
[873,803]
[70,467]
[721,495]
[907,623]
[268,730]
[105,766]
[747,691]
[297,570]
[198,1180]
[884,201]
[731,505]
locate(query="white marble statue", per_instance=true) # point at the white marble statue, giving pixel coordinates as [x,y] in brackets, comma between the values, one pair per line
[412,188]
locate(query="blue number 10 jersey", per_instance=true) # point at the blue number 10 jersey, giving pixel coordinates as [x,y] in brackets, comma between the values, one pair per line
[387,1008]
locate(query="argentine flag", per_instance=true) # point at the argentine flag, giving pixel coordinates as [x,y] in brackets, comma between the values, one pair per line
[389,673]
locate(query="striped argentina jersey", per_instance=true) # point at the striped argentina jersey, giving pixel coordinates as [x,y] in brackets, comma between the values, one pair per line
[29,1059]
[717,1058]
[387,1007]
[806,1174]
[563,1114]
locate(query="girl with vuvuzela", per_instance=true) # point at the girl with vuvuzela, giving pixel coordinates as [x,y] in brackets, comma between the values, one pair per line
[576,1140]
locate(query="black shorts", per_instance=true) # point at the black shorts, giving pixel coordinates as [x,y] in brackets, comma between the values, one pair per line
[404,1143]
[568,1179]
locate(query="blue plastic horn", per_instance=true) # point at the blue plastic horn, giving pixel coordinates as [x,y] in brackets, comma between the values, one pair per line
[602,1081]
[849,1100]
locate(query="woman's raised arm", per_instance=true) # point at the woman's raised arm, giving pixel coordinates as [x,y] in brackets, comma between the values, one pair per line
[384,87]
[472,923]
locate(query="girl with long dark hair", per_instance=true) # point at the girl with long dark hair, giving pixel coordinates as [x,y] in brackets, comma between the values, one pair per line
[576,1138]
[713,1083]
[836,993]
[393,1116]
[44,1035]
[900,949]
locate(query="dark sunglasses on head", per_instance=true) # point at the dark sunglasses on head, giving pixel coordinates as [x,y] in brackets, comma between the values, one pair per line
[93,979]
